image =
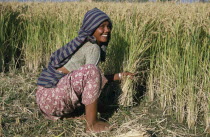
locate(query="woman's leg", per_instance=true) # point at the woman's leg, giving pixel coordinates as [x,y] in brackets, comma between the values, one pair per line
[90,79]
[85,83]
[93,124]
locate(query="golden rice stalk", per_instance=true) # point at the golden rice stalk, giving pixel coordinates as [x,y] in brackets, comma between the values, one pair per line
[126,98]
[128,86]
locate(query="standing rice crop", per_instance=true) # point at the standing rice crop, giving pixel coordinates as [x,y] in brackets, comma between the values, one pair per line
[179,76]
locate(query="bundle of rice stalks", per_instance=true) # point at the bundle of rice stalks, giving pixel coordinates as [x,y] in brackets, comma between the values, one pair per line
[128,88]
[126,98]
[134,64]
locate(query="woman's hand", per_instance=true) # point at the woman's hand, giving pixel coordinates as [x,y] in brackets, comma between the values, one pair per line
[120,76]
[63,70]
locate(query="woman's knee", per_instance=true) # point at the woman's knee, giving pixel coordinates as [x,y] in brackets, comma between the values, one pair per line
[93,70]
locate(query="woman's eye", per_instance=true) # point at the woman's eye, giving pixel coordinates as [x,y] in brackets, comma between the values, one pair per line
[102,26]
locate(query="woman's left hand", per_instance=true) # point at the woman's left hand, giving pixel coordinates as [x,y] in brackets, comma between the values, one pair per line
[126,74]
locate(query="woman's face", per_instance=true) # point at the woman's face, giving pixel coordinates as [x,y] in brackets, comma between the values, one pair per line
[103,32]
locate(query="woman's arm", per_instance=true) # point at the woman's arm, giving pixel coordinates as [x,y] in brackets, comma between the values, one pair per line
[112,77]
[119,76]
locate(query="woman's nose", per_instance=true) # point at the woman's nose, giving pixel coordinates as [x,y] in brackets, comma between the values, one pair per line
[107,29]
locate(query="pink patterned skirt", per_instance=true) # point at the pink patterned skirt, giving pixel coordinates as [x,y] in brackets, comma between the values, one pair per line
[80,86]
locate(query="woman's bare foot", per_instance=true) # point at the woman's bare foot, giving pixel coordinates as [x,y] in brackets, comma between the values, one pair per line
[93,124]
[98,126]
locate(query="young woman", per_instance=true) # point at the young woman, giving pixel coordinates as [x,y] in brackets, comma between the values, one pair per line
[72,76]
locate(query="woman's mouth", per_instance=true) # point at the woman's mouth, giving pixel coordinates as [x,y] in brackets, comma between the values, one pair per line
[104,35]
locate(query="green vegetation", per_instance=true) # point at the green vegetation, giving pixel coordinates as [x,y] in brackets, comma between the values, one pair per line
[166,44]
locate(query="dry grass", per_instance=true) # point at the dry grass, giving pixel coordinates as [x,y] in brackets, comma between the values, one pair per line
[19,116]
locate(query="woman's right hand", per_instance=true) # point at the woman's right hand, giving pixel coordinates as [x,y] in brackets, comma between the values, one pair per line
[63,70]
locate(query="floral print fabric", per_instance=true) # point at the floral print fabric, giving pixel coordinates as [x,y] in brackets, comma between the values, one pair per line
[80,86]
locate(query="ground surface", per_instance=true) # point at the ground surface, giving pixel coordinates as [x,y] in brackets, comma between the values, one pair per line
[19,116]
